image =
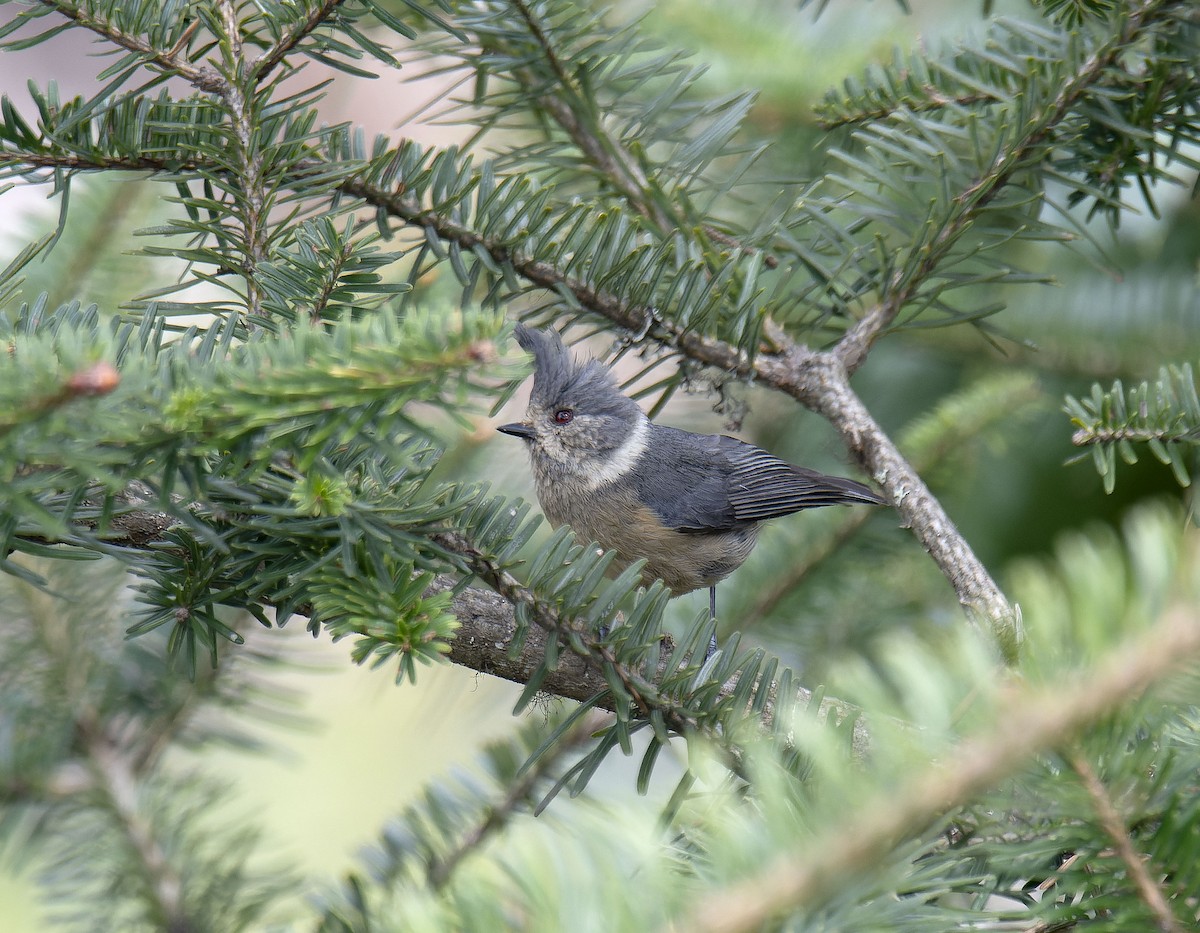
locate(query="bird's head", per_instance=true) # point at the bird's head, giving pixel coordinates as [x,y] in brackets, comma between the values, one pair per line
[579,425]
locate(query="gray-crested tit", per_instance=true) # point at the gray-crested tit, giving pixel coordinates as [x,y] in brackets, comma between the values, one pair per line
[690,504]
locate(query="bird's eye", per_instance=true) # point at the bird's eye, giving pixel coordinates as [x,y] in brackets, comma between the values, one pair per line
[564,416]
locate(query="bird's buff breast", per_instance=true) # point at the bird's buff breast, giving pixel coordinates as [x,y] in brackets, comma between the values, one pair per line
[614,519]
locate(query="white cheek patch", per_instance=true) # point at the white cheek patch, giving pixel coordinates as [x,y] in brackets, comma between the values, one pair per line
[623,458]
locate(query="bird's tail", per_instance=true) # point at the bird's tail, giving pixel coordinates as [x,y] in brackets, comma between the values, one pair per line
[836,490]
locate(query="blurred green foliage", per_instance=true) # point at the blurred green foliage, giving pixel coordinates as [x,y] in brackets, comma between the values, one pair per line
[287,342]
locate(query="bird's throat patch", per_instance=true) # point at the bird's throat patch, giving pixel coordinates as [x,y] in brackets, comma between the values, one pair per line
[623,458]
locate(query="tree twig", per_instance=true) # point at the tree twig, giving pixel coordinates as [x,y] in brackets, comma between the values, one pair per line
[169,60]
[1113,824]
[119,784]
[270,59]
[1033,720]
[1101,434]
[934,99]
[248,157]
[496,816]
[906,281]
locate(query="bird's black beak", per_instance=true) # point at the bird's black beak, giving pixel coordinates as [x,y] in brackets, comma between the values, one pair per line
[518,429]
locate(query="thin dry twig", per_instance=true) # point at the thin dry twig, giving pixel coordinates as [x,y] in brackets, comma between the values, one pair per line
[272,57]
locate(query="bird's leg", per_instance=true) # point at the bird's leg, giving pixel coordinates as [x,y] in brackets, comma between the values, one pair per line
[712,617]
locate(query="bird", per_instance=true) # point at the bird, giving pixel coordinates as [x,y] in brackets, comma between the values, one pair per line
[690,505]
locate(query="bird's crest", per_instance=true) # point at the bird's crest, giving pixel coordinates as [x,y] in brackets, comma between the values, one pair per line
[559,379]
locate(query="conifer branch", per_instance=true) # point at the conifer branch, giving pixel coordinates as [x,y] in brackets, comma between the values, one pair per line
[604,151]
[818,380]
[486,631]
[497,816]
[827,391]
[248,158]
[644,693]
[269,60]
[488,628]
[1033,720]
[1163,414]
[75,163]
[906,281]
[119,782]
[932,439]
[1103,434]
[932,99]
[169,61]
[1114,824]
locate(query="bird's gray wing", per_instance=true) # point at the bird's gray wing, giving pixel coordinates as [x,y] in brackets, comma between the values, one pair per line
[708,483]
[763,486]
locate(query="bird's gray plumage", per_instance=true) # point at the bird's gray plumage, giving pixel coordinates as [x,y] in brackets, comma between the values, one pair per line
[561,382]
[689,504]
[710,482]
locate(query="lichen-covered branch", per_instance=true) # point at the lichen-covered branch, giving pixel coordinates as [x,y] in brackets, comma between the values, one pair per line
[488,628]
